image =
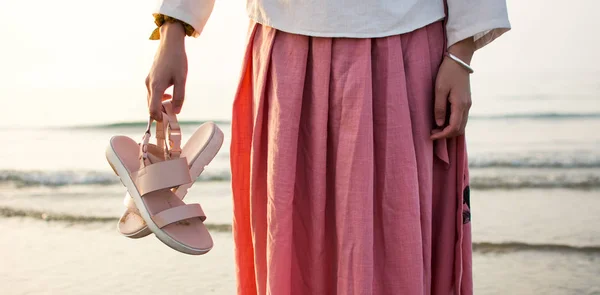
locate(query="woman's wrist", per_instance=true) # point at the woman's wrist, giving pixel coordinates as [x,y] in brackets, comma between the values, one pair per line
[172,32]
[463,49]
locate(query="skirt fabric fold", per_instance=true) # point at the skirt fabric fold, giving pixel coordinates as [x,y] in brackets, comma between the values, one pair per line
[337,187]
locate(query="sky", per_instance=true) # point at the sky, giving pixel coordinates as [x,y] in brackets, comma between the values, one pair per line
[72,62]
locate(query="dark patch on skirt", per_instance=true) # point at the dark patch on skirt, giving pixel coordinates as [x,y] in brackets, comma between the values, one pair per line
[466,201]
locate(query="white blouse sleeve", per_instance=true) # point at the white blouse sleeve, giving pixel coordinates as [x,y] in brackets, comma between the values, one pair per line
[484,20]
[193,12]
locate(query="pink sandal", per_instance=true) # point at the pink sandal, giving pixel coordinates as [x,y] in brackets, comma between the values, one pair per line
[199,151]
[150,178]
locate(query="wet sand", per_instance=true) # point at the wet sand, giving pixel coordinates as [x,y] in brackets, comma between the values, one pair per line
[56,257]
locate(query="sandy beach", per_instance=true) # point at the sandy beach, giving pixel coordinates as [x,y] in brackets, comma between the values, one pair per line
[59,257]
[41,257]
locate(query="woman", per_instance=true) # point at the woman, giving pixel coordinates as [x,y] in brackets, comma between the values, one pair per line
[349,166]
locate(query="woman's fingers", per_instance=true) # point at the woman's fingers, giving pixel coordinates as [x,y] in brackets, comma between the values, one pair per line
[441,101]
[178,95]
[157,92]
[464,122]
[147,82]
[457,113]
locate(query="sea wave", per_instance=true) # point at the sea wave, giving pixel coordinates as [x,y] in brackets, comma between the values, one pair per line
[506,179]
[142,124]
[57,178]
[78,219]
[63,178]
[537,116]
[483,247]
[504,247]
[581,160]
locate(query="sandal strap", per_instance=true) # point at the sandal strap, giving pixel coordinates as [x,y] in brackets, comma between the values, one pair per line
[179,213]
[163,130]
[144,145]
[161,175]
[169,129]
[173,130]
[160,134]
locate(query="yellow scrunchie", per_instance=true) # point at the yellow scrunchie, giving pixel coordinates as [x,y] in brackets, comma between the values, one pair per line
[160,19]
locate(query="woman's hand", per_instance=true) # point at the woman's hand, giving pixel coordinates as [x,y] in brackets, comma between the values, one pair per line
[169,69]
[453,93]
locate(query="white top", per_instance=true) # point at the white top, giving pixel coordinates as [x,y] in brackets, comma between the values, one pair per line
[484,20]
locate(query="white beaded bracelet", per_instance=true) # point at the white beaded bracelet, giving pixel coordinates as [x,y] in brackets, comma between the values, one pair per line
[460,62]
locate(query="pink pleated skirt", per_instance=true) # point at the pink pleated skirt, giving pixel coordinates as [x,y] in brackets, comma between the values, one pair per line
[337,187]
